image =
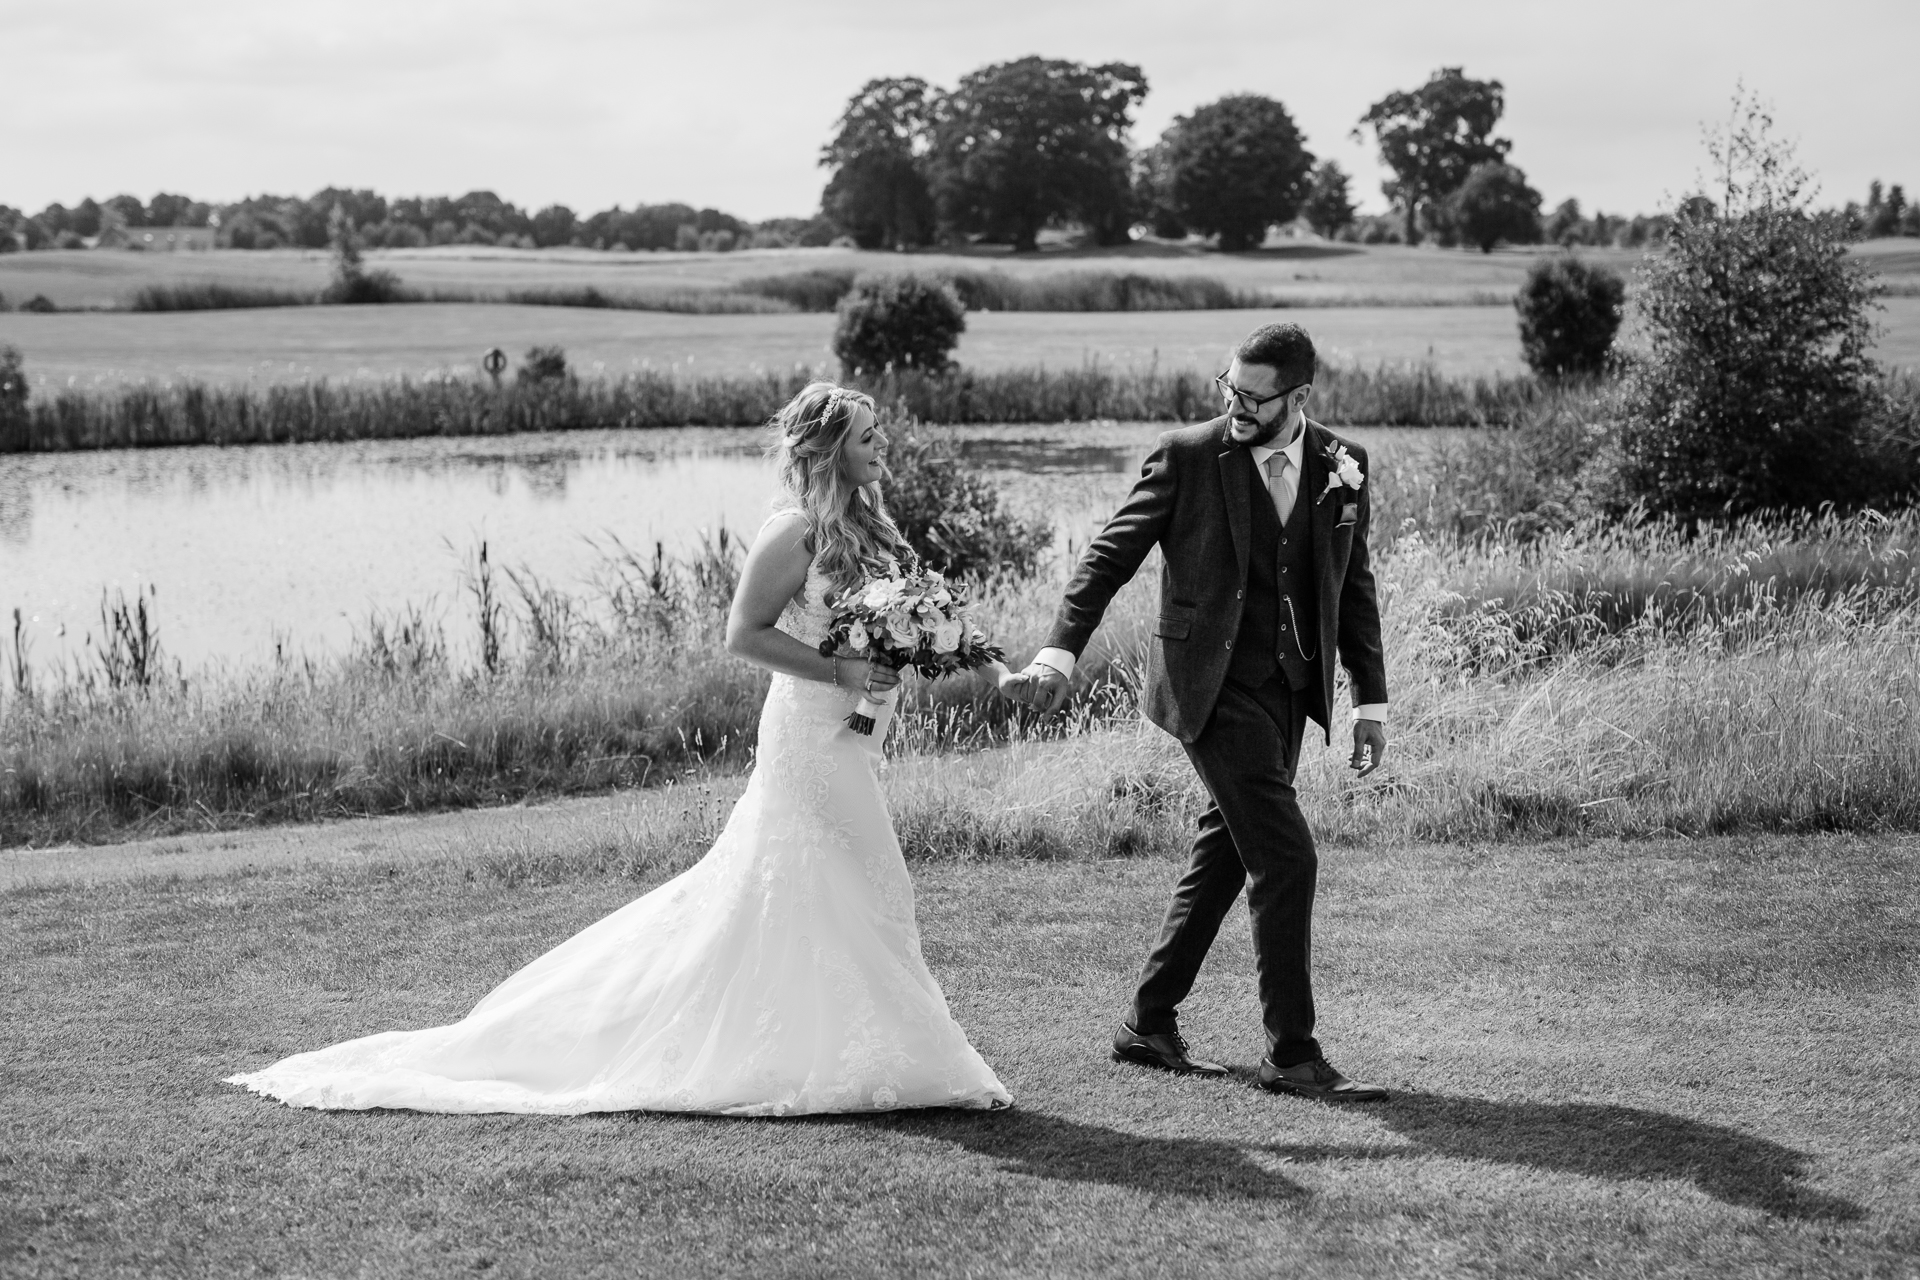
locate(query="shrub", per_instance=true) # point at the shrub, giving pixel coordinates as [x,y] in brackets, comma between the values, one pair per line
[39,302]
[543,364]
[14,418]
[1756,382]
[898,322]
[954,517]
[1569,311]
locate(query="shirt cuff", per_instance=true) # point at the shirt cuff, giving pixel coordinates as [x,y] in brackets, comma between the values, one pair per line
[1371,711]
[1059,659]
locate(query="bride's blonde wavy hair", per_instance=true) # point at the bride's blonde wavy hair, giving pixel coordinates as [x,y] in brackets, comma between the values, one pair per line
[848,528]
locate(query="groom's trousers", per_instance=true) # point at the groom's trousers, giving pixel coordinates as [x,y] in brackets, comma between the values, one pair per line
[1251,834]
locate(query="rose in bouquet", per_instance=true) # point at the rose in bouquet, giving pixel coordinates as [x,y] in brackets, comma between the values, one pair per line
[906,619]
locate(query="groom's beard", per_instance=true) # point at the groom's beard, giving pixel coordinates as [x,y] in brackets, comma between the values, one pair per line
[1250,432]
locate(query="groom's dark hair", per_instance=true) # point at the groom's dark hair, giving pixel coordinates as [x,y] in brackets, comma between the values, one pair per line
[1286,347]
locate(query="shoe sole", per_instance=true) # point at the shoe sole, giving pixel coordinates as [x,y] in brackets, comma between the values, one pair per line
[1157,1065]
[1324,1095]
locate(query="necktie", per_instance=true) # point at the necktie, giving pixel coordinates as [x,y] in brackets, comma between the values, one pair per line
[1281,484]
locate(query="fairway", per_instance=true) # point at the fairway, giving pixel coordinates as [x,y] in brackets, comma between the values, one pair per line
[1685,1057]
[292,344]
[1308,271]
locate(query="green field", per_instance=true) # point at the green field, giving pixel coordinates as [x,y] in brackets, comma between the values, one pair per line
[299,343]
[295,344]
[1610,1059]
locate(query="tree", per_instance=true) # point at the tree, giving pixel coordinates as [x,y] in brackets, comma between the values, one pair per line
[1494,204]
[1020,144]
[125,211]
[1153,192]
[85,219]
[1563,226]
[1432,137]
[553,225]
[167,210]
[878,193]
[1756,380]
[1238,167]
[1329,207]
[1884,212]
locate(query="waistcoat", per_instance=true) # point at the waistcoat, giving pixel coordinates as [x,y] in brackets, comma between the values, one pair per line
[1281,617]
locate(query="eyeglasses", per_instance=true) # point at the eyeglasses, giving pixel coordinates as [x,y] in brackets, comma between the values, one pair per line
[1246,401]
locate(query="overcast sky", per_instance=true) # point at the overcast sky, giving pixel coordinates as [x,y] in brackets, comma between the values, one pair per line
[595,102]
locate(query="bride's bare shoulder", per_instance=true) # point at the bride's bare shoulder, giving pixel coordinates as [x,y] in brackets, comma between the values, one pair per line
[786,530]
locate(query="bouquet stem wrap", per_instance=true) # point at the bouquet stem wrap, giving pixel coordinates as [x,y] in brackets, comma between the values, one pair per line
[867,714]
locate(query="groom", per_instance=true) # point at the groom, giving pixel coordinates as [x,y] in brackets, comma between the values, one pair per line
[1261,517]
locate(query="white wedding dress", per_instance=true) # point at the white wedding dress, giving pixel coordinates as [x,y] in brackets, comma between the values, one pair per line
[781,975]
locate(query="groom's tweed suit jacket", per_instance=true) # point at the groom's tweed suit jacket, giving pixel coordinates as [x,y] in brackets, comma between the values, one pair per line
[1194,502]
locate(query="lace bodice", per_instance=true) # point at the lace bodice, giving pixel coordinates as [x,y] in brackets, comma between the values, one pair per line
[806,617]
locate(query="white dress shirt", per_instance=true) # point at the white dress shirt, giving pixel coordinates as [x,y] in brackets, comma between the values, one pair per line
[1062,661]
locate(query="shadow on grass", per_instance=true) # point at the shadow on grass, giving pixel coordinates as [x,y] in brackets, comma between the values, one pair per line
[1048,1146]
[1614,1143]
[1622,1144]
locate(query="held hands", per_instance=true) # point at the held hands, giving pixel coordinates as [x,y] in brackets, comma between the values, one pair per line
[1046,688]
[1369,746]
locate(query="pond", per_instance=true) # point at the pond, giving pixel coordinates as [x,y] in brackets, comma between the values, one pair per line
[297,545]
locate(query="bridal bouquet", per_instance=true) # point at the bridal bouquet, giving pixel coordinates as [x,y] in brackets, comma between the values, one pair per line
[916,620]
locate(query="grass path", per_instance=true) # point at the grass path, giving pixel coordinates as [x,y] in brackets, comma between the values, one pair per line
[1665,1058]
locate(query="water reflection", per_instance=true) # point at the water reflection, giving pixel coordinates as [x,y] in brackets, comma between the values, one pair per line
[296,544]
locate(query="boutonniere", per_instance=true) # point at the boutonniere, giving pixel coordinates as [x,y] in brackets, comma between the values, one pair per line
[1343,473]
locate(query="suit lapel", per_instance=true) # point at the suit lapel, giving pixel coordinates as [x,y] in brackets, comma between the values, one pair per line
[1234,463]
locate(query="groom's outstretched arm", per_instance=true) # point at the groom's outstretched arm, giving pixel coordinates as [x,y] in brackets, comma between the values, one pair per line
[1109,563]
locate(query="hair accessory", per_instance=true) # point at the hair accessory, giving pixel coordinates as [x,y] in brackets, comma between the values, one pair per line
[832,405]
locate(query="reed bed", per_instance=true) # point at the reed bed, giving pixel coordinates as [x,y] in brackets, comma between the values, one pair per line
[1611,681]
[191,413]
[213,296]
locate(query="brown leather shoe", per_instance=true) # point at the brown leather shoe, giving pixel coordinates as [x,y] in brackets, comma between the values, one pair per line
[1316,1079]
[1166,1051]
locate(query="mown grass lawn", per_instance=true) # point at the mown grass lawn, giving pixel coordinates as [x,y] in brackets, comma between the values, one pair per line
[1656,1058]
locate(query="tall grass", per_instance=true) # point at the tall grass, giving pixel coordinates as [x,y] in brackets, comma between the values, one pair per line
[1607,680]
[539,691]
[821,289]
[187,413]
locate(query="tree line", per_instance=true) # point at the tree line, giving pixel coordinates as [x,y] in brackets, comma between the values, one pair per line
[478,217]
[1017,146]
[1012,149]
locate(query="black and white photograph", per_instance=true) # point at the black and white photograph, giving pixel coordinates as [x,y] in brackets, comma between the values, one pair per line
[1029,639]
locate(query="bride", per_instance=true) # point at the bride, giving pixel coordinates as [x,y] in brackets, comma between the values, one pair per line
[781,974]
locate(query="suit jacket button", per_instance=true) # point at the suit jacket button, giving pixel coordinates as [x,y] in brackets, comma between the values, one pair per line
[1229,644]
[1238,594]
[1283,568]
